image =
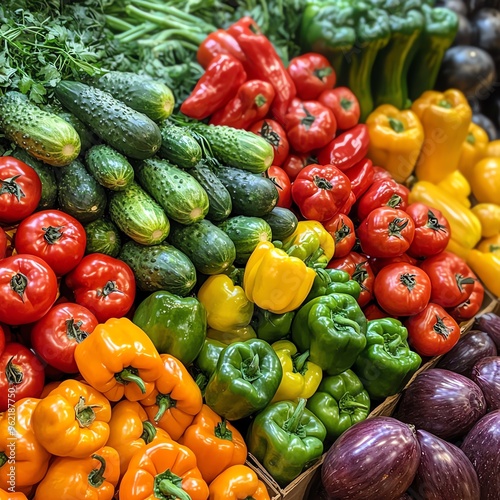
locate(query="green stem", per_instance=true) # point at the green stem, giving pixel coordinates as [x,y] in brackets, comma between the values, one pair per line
[250,370]
[3,459]
[292,424]
[222,432]
[132,35]
[13,373]
[148,432]
[348,404]
[299,362]
[128,375]
[74,332]
[462,280]
[396,125]
[164,403]
[18,283]
[322,183]
[10,186]
[169,485]
[109,287]
[96,476]
[118,24]
[85,414]
[52,234]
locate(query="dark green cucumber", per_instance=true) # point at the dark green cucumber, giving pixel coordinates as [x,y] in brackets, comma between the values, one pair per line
[44,135]
[179,146]
[219,199]
[103,237]
[138,215]
[246,233]
[282,221]
[140,92]
[47,176]
[109,167]
[79,194]
[251,195]
[177,192]
[209,248]
[160,267]
[128,131]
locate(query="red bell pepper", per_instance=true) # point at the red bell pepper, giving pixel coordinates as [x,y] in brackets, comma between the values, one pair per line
[218,42]
[344,104]
[283,185]
[218,85]
[294,163]
[468,309]
[342,230]
[312,74]
[347,149]
[243,26]
[361,177]
[346,207]
[275,135]
[251,103]
[309,125]
[380,173]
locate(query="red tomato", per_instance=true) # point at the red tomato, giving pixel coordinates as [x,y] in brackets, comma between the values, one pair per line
[312,74]
[20,190]
[360,176]
[386,232]
[3,243]
[378,264]
[104,285]
[294,163]
[344,104]
[21,375]
[384,193]
[273,133]
[55,337]
[347,206]
[54,236]
[402,289]
[358,268]
[283,184]
[468,309]
[342,230]
[320,191]
[372,311]
[432,231]
[433,331]
[28,289]
[2,339]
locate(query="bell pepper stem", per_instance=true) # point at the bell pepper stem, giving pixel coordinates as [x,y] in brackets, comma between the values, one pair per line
[396,125]
[169,485]
[292,424]
[148,432]
[130,375]
[13,373]
[3,458]
[96,476]
[299,362]
[201,381]
[164,403]
[222,432]
[348,404]
[346,322]
[85,413]
[52,234]
[251,370]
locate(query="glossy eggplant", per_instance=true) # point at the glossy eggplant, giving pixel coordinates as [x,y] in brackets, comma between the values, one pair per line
[465,32]
[482,446]
[375,459]
[490,323]
[486,25]
[486,374]
[444,473]
[485,123]
[442,402]
[467,351]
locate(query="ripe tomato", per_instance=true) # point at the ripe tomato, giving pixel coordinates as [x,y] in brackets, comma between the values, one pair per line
[54,236]
[433,331]
[283,184]
[3,243]
[468,309]
[312,74]
[20,190]
[342,230]
[2,339]
[28,289]
[383,193]
[372,311]
[55,337]
[402,289]
[273,133]
[378,264]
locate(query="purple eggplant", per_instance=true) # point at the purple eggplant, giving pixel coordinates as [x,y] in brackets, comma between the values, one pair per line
[444,473]
[482,447]
[486,374]
[467,351]
[375,459]
[490,323]
[442,402]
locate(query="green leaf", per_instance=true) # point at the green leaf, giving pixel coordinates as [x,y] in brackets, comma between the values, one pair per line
[25,84]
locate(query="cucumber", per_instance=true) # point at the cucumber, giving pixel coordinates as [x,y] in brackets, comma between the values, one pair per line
[140,92]
[282,221]
[45,136]
[209,248]
[79,194]
[179,146]
[236,147]
[138,215]
[246,233]
[128,131]
[160,267]
[177,192]
[103,237]
[251,195]
[219,199]
[109,168]
[47,176]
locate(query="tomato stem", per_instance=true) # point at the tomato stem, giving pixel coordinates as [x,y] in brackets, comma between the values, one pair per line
[308,120]
[13,373]
[52,234]
[222,432]
[128,375]
[73,330]
[260,100]
[440,328]
[164,403]
[322,72]
[10,186]
[96,476]
[360,275]
[270,135]
[394,201]
[18,283]
[462,280]
[396,226]
[408,280]
[433,222]
[346,104]
[108,288]
[342,233]
[322,183]
[148,431]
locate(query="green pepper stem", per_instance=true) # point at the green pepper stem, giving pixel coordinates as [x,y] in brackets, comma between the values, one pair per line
[348,404]
[96,476]
[222,432]
[127,375]
[445,104]
[169,485]
[292,424]
[201,381]
[148,432]
[3,459]
[164,402]
[299,362]
[13,373]
[251,370]
[470,138]
[85,414]
[396,125]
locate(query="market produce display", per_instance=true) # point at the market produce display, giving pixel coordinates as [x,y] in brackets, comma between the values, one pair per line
[224,242]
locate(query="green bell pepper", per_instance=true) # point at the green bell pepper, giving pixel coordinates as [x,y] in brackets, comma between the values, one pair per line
[441,26]
[286,439]
[333,281]
[332,328]
[271,327]
[206,362]
[176,325]
[387,363]
[340,402]
[245,380]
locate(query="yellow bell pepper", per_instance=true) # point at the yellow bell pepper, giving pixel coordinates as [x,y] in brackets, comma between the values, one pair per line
[493,148]
[458,249]
[487,267]
[301,378]
[445,118]
[473,149]
[465,226]
[276,281]
[226,303]
[458,186]
[489,217]
[485,180]
[230,336]
[396,138]
[490,245]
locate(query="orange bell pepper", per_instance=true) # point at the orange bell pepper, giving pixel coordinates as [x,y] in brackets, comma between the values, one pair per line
[175,400]
[238,482]
[119,359]
[490,245]
[48,388]
[7,495]
[167,468]
[24,461]
[93,477]
[130,431]
[212,436]
[72,421]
